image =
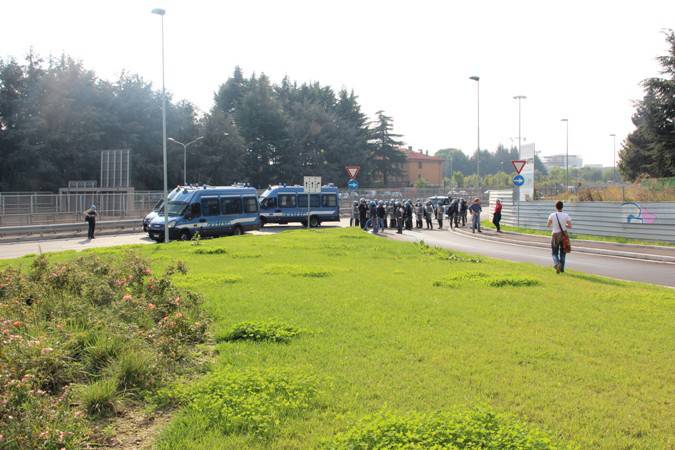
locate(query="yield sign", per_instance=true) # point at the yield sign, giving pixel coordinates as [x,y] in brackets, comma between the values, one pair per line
[352,171]
[518,164]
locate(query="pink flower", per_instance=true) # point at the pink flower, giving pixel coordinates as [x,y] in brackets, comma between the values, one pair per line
[46,350]
[147,271]
[179,315]
[17,324]
[127,297]
[151,306]
[177,301]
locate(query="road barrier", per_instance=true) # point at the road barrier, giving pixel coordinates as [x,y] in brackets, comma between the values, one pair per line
[648,221]
[63,228]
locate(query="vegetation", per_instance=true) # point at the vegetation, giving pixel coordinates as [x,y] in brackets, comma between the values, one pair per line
[56,116]
[650,149]
[85,339]
[511,353]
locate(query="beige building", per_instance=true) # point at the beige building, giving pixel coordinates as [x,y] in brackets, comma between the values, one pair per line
[420,166]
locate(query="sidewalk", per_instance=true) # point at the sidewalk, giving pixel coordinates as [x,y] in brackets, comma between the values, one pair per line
[647,252]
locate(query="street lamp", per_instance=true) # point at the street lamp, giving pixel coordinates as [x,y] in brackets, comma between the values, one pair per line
[160,12]
[185,146]
[477,80]
[614,167]
[567,153]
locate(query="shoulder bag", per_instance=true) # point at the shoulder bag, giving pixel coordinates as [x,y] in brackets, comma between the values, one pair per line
[566,245]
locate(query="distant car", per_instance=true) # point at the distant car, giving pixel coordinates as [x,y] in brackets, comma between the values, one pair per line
[396,195]
[439,200]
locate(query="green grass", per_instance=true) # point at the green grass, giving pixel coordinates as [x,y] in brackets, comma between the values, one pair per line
[401,330]
[582,237]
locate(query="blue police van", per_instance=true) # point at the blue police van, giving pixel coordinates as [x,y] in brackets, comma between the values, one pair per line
[211,211]
[284,204]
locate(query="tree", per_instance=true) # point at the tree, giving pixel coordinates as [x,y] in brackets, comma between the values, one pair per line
[385,155]
[650,149]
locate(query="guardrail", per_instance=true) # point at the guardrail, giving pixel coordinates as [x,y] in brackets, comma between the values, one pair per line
[41,230]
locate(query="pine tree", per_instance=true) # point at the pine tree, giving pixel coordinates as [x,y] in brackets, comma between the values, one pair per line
[385,155]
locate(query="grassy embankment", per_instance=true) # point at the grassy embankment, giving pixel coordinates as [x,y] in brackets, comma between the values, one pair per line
[324,331]
[582,237]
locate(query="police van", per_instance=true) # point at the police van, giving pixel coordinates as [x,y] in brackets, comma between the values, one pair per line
[284,204]
[211,211]
[158,209]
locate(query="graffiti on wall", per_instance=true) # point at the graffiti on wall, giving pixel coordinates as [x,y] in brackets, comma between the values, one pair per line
[637,214]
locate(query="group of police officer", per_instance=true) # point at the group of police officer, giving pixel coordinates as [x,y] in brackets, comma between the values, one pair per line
[379,214]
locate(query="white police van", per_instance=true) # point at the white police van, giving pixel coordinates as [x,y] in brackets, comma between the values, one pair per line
[211,211]
[284,204]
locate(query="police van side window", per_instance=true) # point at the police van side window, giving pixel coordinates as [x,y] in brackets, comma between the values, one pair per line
[329,200]
[210,207]
[195,210]
[269,202]
[287,201]
[315,200]
[230,205]
[250,205]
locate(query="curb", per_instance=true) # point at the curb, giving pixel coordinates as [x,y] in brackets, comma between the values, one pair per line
[579,249]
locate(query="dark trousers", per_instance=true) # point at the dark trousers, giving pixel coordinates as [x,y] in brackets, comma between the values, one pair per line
[399,225]
[92,227]
[440,224]
[496,219]
[430,226]
[362,220]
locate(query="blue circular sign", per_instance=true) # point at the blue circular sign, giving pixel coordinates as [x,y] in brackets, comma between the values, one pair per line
[353,185]
[518,180]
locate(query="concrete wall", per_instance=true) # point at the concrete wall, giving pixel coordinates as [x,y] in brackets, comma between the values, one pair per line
[654,221]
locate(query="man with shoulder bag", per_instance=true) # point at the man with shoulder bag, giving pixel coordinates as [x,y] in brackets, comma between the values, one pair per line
[559,222]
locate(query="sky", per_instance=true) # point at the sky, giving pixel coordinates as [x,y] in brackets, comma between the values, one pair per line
[580,60]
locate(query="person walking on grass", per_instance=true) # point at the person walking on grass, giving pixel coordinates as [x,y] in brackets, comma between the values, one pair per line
[475,210]
[559,222]
[497,215]
[90,218]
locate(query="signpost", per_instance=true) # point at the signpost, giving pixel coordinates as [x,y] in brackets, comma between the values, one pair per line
[312,185]
[352,171]
[518,181]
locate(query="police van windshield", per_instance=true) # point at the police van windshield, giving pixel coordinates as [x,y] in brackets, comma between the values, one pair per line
[176,208]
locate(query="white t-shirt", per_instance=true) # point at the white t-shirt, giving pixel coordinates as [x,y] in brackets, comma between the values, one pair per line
[563,217]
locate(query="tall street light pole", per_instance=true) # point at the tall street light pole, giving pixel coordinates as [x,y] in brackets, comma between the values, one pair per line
[567,153]
[477,80]
[185,146]
[160,12]
[614,166]
[520,140]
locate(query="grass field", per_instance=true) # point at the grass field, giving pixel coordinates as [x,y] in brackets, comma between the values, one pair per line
[583,237]
[341,329]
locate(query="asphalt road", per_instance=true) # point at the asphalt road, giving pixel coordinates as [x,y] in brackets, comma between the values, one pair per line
[614,267]
[610,266]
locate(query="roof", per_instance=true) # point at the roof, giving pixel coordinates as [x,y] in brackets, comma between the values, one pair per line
[417,156]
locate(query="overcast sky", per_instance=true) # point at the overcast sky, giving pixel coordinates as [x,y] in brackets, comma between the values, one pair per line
[577,59]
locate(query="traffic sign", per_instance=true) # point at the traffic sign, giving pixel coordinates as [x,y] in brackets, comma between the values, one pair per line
[312,185]
[352,171]
[518,164]
[518,180]
[353,185]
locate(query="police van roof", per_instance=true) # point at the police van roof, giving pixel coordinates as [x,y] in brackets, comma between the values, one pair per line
[297,188]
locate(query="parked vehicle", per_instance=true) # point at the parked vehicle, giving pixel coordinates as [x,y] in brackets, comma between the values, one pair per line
[439,199]
[286,204]
[158,209]
[211,211]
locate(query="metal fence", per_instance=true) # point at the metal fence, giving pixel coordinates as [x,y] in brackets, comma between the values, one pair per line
[33,208]
[653,221]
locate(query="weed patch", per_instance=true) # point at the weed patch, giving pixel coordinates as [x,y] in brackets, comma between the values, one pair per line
[252,401]
[446,255]
[596,279]
[295,270]
[210,251]
[479,428]
[87,332]
[512,282]
[260,331]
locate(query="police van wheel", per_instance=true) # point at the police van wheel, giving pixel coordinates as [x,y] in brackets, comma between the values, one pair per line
[237,231]
[185,236]
[313,221]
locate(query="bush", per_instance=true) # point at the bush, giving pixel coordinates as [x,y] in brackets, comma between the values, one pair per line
[260,331]
[99,399]
[71,323]
[472,429]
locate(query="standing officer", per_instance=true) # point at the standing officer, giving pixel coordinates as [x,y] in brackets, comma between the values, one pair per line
[363,213]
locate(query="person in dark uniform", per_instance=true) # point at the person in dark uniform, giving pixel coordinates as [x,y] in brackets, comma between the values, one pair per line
[408,215]
[463,207]
[363,213]
[419,213]
[439,211]
[381,215]
[354,220]
[428,214]
[399,211]
[90,218]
